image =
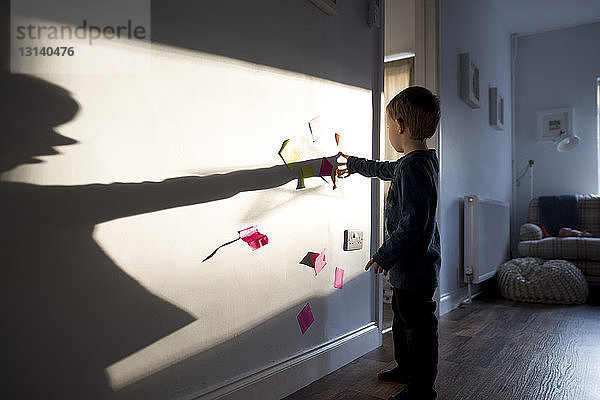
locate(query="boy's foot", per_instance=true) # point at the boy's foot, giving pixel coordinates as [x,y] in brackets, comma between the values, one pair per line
[393,375]
[408,394]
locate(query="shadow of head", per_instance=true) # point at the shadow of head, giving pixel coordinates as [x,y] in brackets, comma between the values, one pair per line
[30,109]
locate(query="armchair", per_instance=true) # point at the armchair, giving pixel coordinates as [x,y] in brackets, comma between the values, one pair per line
[584,252]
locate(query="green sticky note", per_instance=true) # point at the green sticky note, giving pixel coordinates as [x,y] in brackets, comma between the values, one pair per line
[308,171]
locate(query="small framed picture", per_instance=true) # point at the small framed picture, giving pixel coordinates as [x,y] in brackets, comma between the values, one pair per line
[496,109]
[469,80]
[329,7]
[551,123]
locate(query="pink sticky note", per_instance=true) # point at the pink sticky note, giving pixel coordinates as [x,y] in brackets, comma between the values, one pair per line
[320,262]
[305,318]
[253,237]
[326,168]
[339,278]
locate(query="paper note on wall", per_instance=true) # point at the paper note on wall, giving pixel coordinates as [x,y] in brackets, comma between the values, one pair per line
[309,259]
[305,318]
[315,260]
[253,237]
[288,154]
[315,128]
[306,171]
[326,167]
[339,278]
[320,262]
[250,235]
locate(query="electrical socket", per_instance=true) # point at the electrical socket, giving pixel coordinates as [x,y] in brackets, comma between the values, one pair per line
[353,239]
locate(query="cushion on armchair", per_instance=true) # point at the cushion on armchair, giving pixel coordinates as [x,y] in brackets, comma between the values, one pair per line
[558,211]
[530,232]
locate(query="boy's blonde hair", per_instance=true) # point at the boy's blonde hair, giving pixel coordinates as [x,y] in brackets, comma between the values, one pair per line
[418,109]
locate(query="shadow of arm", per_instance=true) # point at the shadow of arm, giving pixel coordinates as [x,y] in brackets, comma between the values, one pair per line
[106,202]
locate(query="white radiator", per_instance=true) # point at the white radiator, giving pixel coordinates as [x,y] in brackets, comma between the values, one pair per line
[486,237]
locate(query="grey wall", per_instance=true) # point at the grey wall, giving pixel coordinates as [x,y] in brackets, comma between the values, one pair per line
[475,158]
[104,294]
[557,69]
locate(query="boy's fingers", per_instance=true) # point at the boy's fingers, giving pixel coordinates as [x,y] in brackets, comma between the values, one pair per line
[342,172]
[344,156]
[377,269]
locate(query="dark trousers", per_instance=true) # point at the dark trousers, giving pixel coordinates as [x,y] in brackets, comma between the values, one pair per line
[415,330]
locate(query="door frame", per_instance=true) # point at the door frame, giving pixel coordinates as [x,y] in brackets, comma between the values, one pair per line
[426,66]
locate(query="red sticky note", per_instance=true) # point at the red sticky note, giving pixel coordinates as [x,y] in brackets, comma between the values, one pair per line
[309,259]
[305,318]
[253,237]
[326,167]
[320,262]
[339,278]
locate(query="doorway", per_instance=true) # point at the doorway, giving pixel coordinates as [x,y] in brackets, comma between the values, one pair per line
[411,29]
[398,74]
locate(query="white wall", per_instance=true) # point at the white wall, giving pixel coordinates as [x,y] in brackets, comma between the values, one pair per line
[107,292]
[554,70]
[399,26]
[475,158]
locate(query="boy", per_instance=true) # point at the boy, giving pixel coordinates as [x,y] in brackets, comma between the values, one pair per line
[411,250]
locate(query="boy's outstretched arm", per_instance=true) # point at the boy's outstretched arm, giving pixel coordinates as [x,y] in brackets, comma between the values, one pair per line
[370,168]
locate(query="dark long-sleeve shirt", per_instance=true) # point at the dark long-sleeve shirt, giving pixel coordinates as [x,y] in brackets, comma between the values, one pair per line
[411,249]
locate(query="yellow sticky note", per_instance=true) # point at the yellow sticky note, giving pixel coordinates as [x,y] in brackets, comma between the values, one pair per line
[288,154]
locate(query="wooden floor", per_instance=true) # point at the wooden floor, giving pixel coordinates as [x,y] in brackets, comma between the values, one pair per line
[492,349]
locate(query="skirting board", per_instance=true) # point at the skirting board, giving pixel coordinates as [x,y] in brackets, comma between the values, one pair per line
[288,376]
[452,300]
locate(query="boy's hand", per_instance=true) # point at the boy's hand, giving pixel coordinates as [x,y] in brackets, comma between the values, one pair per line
[376,267]
[341,169]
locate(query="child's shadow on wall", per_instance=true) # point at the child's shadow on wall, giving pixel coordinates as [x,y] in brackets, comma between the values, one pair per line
[68,311]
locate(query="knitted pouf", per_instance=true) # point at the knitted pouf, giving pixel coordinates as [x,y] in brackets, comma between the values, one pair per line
[535,280]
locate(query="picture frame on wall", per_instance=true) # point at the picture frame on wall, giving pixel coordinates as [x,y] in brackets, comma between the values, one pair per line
[496,109]
[551,123]
[329,7]
[469,80]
